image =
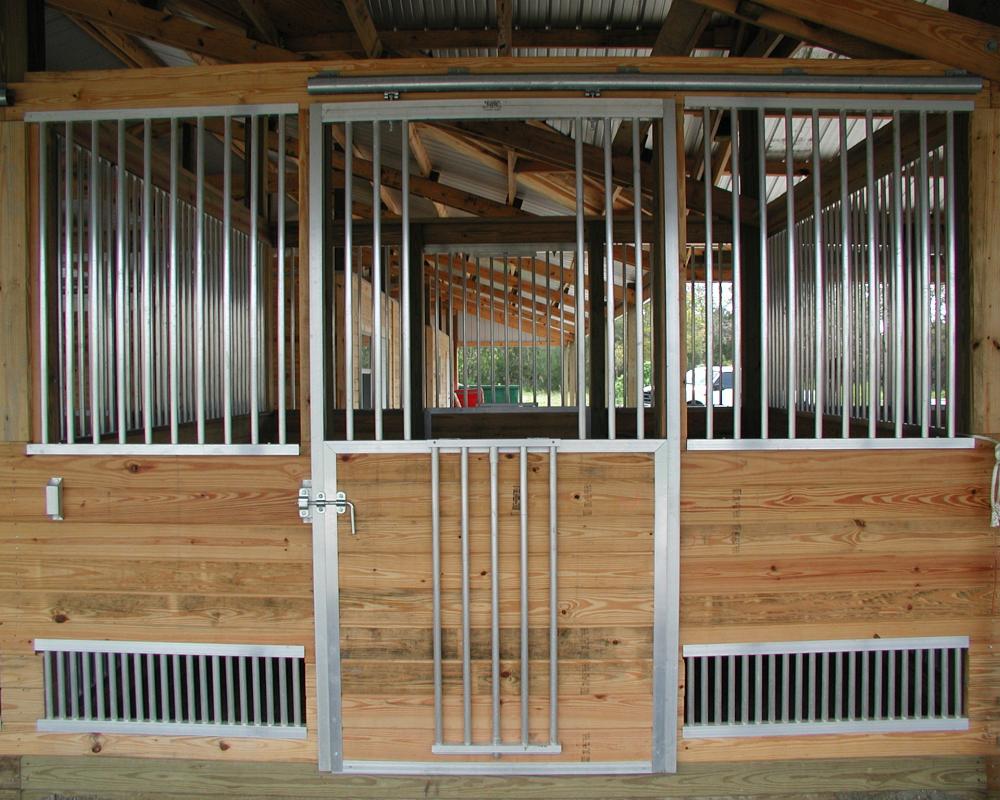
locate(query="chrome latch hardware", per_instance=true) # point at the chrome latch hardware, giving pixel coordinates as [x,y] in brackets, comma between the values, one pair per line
[391,94]
[308,501]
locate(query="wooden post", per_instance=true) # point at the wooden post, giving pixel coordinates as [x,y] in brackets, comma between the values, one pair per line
[15,293]
[984,272]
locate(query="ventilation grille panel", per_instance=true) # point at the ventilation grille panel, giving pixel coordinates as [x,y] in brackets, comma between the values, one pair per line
[843,686]
[173,688]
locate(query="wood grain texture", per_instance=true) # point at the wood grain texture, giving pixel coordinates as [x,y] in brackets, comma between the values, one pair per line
[15,374]
[984,258]
[115,777]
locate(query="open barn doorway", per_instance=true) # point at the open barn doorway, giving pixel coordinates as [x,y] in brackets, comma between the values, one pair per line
[487,431]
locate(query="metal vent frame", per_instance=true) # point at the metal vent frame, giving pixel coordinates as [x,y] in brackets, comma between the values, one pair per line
[173,688]
[835,686]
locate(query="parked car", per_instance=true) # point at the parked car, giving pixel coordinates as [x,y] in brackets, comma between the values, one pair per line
[722,386]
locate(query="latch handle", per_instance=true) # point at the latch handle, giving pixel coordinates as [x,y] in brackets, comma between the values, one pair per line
[342,504]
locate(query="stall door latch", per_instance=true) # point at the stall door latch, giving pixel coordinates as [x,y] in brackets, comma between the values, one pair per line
[309,500]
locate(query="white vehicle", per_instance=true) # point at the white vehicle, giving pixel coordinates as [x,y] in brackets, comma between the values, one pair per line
[722,386]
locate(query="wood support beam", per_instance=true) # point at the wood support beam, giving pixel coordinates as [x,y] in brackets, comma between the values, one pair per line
[423,159]
[364,26]
[261,19]
[122,46]
[817,33]
[176,31]
[907,27]
[984,269]
[505,27]
[15,272]
[432,190]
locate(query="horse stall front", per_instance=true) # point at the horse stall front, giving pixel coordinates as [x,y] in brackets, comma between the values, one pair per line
[657,472]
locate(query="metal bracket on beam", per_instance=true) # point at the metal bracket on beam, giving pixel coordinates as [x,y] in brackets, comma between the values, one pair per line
[53,498]
[6,97]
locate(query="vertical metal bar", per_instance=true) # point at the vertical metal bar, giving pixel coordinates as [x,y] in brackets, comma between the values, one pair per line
[640,412]
[845,267]
[824,706]
[765,364]
[52,689]
[758,691]
[703,689]
[216,693]
[164,715]
[477,283]
[60,684]
[865,682]
[296,694]
[525,677]
[945,683]
[93,275]
[466,643]
[580,305]
[189,684]
[43,274]
[175,672]
[898,281]
[255,680]
[744,689]
[553,596]
[68,281]
[230,691]
[951,305]
[690,680]
[147,289]
[838,687]
[737,254]
[227,292]
[878,685]
[818,251]
[811,702]
[563,293]
[730,689]
[436,582]
[852,695]
[706,121]
[376,345]
[924,273]
[495,591]
[269,690]
[88,703]
[253,155]
[282,398]
[931,683]
[958,674]
[74,685]
[244,691]
[199,277]
[506,321]
[873,315]
[349,280]
[283,689]
[918,683]
[772,687]
[717,693]
[609,282]
[404,269]
[790,266]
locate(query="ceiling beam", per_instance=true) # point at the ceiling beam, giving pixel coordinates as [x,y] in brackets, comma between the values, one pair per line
[175,31]
[424,164]
[683,26]
[432,190]
[505,27]
[261,19]
[914,28]
[122,46]
[364,26]
[793,26]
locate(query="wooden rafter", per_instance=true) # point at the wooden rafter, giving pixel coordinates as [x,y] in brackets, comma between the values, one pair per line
[797,28]
[683,26]
[908,27]
[432,190]
[364,27]
[423,160]
[261,19]
[176,31]
[122,46]
[505,27]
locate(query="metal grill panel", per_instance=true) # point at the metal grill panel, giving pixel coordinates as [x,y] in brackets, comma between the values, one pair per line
[794,688]
[173,688]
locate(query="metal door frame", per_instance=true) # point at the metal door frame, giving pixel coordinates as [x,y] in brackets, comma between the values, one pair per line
[666,454]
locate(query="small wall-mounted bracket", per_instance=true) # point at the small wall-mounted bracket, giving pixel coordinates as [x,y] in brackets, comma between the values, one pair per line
[53,498]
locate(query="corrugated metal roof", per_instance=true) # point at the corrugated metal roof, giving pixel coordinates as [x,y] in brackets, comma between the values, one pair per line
[445,14]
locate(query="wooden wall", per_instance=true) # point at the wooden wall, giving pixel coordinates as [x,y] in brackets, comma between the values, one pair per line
[169,549]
